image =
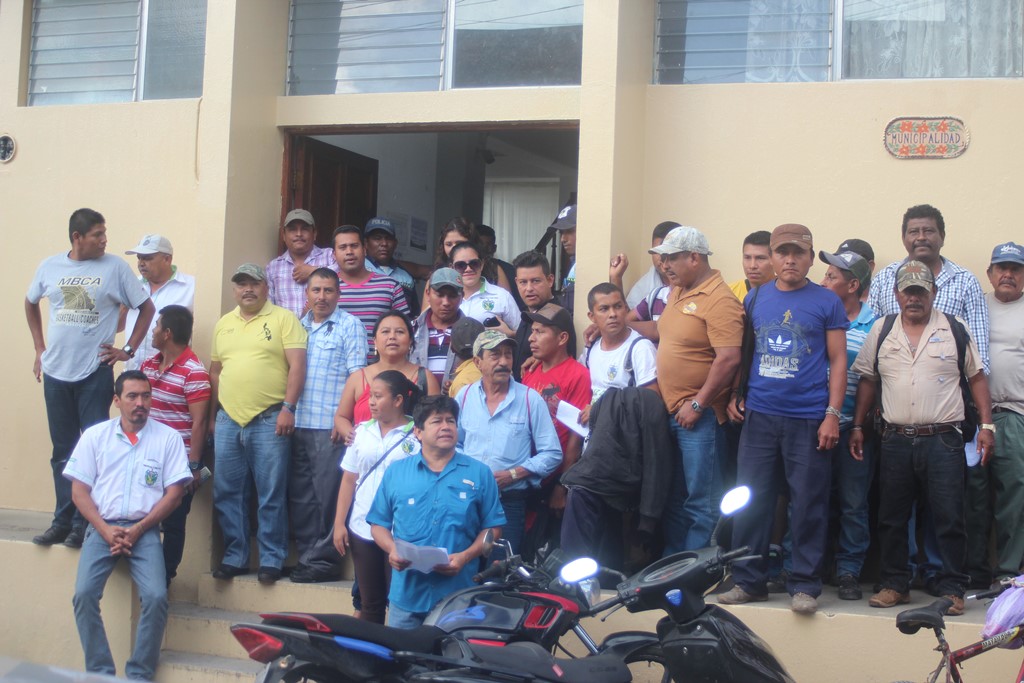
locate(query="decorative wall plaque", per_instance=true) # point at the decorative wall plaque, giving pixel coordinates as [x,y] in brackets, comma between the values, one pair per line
[926,137]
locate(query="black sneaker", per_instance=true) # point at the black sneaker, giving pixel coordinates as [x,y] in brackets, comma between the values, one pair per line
[849,589]
[51,536]
[225,572]
[306,574]
[777,583]
[75,538]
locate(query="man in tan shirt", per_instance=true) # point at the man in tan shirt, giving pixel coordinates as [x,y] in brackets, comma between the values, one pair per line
[701,331]
[922,446]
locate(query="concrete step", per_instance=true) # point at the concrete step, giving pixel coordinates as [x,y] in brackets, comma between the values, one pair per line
[190,667]
[204,630]
[246,594]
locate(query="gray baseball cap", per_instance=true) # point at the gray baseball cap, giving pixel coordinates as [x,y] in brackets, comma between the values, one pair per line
[152,244]
[446,277]
[299,215]
[683,238]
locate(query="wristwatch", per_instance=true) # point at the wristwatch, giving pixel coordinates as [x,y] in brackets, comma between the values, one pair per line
[290,407]
[989,427]
[512,473]
[194,465]
[832,411]
[129,349]
[697,407]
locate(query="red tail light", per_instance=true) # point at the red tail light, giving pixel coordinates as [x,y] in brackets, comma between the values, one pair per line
[261,646]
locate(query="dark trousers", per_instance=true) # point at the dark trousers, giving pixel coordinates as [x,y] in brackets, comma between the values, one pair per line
[313,481]
[780,455]
[173,527]
[373,572]
[71,408]
[592,528]
[514,504]
[930,468]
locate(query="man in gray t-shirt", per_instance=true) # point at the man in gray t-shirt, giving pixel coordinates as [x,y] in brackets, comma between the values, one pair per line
[86,289]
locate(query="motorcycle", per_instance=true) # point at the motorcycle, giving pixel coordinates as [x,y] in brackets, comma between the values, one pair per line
[694,642]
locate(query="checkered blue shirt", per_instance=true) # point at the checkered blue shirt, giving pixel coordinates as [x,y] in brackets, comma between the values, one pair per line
[336,348]
[959,293]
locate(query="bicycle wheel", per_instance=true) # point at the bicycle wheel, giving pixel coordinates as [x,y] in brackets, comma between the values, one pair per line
[648,665]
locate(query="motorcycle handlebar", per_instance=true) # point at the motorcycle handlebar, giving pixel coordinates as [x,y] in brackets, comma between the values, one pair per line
[733,554]
[496,569]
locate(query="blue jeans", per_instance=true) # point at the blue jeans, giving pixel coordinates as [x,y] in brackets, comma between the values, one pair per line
[252,450]
[146,564]
[777,453]
[72,407]
[400,618]
[851,482]
[514,504]
[692,509]
[932,468]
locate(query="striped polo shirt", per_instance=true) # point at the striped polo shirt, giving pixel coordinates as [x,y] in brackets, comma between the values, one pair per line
[369,299]
[184,382]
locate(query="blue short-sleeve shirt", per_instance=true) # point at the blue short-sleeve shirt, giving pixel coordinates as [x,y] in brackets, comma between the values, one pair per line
[446,509]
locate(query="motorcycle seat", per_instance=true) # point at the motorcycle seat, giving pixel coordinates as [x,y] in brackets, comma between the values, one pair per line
[535,660]
[422,639]
[910,621]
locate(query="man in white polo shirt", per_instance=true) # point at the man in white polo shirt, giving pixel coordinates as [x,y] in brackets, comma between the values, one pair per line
[164,283]
[127,474]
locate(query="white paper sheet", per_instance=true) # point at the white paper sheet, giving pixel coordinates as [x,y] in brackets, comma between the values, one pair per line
[423,558]
[569,415]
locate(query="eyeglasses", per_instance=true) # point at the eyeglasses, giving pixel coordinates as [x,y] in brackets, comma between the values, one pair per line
[473,264]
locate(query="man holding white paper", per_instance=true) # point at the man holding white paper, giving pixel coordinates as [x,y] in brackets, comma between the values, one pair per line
[443,499]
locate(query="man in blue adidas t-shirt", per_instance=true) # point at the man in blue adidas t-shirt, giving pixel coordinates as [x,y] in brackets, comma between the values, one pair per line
[797,379]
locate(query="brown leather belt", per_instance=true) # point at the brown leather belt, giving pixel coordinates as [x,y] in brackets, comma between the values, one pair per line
[921,430]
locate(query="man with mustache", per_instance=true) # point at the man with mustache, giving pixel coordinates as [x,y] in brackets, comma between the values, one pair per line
[1004,473]
[287,274]
[957,292]
[257,374]
[917,365]
[507,426]
[127,474]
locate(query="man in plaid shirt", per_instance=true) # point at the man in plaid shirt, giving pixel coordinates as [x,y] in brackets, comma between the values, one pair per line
[288,273]
[336,347]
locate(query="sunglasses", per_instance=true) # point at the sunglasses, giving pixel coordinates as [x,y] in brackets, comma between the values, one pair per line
[473,264]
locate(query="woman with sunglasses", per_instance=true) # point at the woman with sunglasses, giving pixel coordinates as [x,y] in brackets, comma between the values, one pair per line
[483,301]
[393,336]
[455,231]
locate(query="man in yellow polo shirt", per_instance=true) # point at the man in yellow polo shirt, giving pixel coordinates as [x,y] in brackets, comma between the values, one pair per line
[257,376]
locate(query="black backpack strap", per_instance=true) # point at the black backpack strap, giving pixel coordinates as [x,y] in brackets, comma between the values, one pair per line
[882,334]
[586,356]
[747,346]
[962,338]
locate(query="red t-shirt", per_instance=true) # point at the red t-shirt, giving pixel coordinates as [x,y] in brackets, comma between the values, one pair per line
[571,380]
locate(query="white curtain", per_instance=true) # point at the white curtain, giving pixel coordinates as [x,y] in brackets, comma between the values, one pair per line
[933,39]
[519,212]
[788,41]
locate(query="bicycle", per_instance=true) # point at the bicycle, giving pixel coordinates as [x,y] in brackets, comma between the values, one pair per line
[913,620]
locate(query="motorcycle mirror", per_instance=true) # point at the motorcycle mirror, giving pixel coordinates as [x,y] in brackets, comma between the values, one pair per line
[488,543]
[578,570]
[734,500]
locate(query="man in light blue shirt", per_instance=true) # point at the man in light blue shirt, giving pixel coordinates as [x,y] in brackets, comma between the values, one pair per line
[336,347]
[508,427]
[440,498]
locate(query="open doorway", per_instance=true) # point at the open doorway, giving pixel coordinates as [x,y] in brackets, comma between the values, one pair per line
[513,179]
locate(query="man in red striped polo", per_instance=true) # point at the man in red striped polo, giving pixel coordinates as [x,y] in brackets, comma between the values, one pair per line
[181,397]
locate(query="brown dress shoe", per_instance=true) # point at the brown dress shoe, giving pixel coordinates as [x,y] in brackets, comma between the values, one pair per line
[957,608]
[887,597]
[738,596]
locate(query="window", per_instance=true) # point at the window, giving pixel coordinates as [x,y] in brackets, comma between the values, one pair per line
[743,41]
[90,51]
[358,46]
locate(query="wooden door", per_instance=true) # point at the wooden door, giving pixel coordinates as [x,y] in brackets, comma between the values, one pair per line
[335,185]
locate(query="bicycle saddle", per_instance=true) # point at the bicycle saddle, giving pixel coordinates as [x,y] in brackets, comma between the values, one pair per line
[910,621]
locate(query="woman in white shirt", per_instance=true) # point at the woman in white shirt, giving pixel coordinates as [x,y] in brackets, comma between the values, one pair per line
[378,442]
[482,300]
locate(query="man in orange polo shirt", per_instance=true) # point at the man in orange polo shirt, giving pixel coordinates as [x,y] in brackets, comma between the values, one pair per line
[701,332]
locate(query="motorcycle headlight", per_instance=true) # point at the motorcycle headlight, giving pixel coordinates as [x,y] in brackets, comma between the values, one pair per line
[590,590]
